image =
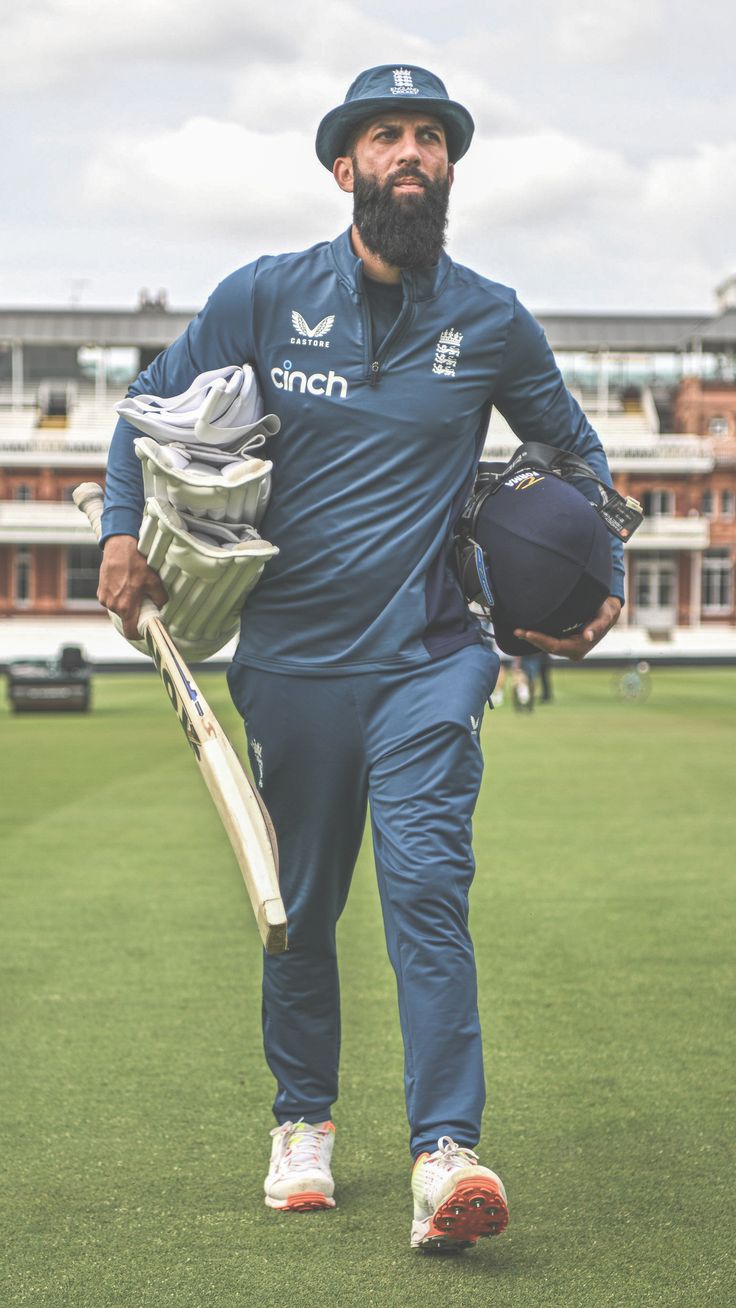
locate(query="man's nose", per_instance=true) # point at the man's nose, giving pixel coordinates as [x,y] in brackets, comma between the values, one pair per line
[409,149]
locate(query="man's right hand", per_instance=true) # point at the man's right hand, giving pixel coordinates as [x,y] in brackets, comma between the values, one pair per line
[125,579]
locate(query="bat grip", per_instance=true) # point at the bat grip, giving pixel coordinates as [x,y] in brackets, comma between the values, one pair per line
[147,611]
[89,498]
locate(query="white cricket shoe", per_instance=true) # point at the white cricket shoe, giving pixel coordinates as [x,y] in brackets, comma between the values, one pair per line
[455,1199]
[299,1177]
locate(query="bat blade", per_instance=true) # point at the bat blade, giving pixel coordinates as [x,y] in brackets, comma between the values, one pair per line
[238,803]
[240,807]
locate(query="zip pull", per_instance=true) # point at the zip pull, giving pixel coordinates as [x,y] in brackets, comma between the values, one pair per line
[375,369]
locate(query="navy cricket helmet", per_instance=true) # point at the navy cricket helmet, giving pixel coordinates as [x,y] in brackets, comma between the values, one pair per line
[533,551]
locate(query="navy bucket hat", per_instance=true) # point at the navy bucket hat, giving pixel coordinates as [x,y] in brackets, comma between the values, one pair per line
[393,87]
[548,557]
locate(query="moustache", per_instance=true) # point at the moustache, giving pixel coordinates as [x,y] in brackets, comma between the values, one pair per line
[405,174]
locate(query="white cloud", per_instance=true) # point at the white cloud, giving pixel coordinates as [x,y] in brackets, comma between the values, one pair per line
[57,41]
[605,32]
[695,194]
[493,112]
[296,100]
[592,228]
[342,38]
[211,178]
[538,178]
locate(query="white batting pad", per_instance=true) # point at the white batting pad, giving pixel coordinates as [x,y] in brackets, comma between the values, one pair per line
[222,407]
[207,582]
[237,492]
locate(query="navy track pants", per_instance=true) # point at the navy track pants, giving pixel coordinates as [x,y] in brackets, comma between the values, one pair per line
[405,743]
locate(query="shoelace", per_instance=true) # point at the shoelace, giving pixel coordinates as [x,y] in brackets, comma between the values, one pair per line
[451,1154]
[303,1147]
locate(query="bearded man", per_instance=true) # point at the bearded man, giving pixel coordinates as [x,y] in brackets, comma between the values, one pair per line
[360,673]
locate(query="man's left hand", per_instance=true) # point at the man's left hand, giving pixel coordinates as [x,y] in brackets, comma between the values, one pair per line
[576,647]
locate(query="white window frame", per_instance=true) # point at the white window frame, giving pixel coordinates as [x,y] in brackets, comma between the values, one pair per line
[717,563]
[70,602]
[23,558]
[659,570]
[662,503]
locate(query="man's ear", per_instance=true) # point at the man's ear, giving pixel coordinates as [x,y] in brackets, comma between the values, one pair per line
[342,171]
[450,174]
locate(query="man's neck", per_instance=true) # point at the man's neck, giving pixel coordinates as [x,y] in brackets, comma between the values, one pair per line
[374,266]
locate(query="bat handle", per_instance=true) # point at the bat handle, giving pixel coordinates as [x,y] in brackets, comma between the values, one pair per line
[148,611]
[89,498]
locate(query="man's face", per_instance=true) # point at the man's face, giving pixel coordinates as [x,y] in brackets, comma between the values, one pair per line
[407,150]
[400,178]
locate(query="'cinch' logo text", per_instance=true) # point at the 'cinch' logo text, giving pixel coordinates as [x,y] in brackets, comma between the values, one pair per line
[289,378]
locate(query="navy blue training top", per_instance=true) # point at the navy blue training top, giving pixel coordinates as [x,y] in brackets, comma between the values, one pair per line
[377,450]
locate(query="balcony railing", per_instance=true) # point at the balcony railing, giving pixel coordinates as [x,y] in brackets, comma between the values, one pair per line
[43,522]
[661,533]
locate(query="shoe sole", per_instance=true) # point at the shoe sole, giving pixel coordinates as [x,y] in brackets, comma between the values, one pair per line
[307,1202]
[474,1208]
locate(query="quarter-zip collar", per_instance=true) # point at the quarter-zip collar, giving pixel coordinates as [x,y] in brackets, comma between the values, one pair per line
[421,284]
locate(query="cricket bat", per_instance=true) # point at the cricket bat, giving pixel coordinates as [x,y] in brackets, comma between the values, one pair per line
[242,811]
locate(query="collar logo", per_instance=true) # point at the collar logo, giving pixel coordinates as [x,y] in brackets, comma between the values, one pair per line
[403,84]
[306,335]
[447,353]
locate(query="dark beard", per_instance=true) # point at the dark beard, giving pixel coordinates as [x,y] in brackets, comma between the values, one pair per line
[405,232]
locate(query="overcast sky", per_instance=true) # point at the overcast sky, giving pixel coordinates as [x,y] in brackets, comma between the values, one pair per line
[162,143]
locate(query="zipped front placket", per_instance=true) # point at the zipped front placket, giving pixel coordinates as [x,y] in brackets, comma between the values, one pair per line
[373,363]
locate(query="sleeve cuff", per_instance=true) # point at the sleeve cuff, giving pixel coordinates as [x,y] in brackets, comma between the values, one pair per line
[119,522]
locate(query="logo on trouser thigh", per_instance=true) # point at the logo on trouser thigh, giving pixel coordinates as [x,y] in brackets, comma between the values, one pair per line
[256,749]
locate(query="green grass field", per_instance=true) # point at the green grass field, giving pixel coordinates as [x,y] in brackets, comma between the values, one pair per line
[135,1103]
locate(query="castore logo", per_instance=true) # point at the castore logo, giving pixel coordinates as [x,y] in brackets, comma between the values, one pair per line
[311,335]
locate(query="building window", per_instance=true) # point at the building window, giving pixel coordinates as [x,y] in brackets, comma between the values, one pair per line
[727,505]
[717,582]
[82,573]
[67,495]
[22,568]
[658,504]
[655,583]
[22,491]
[706,504]
[718,425]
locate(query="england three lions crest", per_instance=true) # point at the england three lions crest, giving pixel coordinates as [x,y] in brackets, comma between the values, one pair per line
[447,353]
